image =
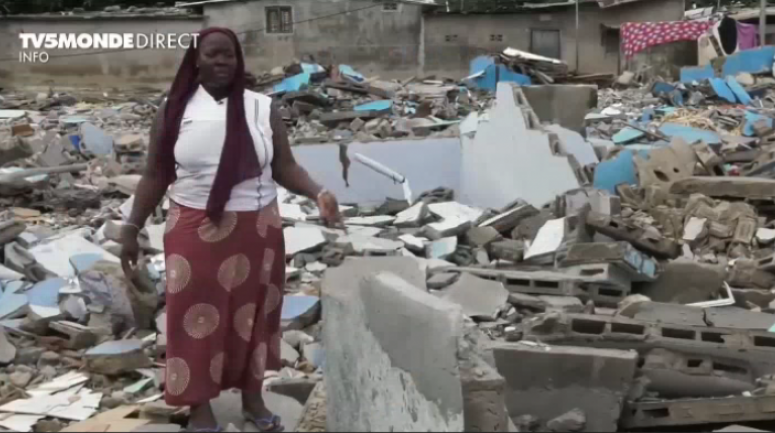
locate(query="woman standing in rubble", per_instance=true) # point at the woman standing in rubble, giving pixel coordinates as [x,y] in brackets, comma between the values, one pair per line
[222,148]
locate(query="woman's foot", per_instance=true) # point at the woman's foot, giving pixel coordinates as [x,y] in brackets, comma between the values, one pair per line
[202,419]
[256,411]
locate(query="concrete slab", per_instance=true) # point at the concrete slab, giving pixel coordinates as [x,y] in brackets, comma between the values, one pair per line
[572,143]
[379,378]
[478,297]
[55,255]
[737,187]
[684,282]
[116,357]
[301,239]
[593,380]
[95,140]
[442,248]
[411,217]
[369,245]
[509,149]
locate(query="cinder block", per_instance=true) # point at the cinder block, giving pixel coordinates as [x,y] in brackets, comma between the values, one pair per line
[677,375]
[539,282]
[641,266]
[757,348]
[548,383]
[700,411]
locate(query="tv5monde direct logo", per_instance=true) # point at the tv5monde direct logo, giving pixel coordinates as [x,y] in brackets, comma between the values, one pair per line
[35,45]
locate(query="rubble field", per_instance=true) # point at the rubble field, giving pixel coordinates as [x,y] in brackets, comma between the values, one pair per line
[617,276]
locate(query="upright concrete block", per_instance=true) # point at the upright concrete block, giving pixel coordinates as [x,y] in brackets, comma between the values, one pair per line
[549,382]
[392,350]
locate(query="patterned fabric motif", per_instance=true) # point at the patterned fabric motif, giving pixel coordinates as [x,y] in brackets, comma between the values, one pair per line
[636,37]
[224,294]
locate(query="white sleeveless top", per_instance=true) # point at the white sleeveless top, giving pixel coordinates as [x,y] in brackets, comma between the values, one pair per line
[199,146]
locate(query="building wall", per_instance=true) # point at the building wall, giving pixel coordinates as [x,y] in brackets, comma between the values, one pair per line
[452,41]
[375,42]
[664,61]
[106,70]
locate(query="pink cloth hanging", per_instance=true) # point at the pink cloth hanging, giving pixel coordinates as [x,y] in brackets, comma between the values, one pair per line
[636,37]
[747,36]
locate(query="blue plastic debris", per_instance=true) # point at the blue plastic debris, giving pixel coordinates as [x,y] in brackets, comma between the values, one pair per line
[751,118]
[293,84]
[626,135]
[76,141]
[383,105]
[689,134]
[616,171]
[349,72]
[739,91]
[722,90]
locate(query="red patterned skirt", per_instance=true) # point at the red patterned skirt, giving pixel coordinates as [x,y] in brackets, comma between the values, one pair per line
[224,299]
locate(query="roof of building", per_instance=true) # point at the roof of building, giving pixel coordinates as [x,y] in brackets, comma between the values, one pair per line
[214,2]
[749,13]
[517,6]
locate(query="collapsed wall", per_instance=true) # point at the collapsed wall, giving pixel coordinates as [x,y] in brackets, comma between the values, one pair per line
[406,363]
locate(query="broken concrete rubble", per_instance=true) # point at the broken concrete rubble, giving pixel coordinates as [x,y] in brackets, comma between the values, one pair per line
[679,217]
[593,380]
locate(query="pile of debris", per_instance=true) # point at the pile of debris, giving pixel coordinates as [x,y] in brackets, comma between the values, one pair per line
[338,104]
[646,260]
[646,305]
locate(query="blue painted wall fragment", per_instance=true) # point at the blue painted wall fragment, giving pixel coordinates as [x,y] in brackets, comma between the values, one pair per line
[689,134]
[492,73]
[383,105]
[495,73]
[669,91]
[351,73]
[626,135]
[616,171]
[722,90]
[739,91]
[753,61]
[751,118]
[479,64]
[293,84]
[696,73]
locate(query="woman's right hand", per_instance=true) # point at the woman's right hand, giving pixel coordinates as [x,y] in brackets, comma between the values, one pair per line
[130,249]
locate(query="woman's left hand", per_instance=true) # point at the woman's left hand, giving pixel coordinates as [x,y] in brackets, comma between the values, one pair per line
[329,209]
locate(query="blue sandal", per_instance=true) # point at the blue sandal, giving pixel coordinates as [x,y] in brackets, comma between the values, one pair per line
[271,424]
